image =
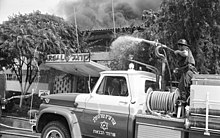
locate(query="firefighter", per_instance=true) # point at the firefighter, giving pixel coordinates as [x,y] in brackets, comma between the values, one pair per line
[186,68]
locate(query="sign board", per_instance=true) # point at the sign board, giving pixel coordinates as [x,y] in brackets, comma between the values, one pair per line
[43,92]
[76,57]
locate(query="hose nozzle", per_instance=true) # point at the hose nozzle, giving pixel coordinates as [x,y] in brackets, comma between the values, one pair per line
[157,44]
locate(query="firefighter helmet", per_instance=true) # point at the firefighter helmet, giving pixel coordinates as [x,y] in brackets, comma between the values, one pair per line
[182,42]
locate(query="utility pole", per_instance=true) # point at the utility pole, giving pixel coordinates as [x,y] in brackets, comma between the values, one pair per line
[113,16]
[77,37]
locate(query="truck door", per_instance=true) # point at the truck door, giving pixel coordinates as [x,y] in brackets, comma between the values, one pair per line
[107,110]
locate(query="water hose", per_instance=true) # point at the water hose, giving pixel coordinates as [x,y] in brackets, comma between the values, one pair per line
[157,44]
[158,54]
[164,57]
[161,101]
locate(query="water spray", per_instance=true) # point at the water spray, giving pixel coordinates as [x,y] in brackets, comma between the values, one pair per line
[127,42]
[157,44]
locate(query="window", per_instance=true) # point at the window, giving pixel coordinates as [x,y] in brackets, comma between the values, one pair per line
[149,84]
[115,86]
[9,76]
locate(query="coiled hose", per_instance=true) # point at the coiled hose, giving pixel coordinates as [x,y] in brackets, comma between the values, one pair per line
[161,100]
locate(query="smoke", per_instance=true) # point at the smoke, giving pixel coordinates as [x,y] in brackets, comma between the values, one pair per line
[97,14]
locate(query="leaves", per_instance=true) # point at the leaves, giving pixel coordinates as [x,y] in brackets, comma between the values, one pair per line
[198,22]
[27,39]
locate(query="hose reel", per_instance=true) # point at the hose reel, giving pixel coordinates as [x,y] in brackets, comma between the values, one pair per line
[161,101]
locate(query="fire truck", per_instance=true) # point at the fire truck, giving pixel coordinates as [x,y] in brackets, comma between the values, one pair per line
[131,104]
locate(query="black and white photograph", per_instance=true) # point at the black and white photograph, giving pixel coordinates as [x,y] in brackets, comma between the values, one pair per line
[109,68]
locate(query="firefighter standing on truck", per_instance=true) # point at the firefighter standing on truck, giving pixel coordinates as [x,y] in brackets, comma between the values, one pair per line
[186,68]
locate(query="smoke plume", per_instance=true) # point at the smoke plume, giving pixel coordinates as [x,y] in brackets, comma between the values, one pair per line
[97,14]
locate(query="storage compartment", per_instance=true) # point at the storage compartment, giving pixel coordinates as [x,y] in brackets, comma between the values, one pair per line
[199,93]
[206,79]
[150,131]
[149,126]
[204,85]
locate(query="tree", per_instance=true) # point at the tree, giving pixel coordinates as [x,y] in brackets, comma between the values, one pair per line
[197,21]
[25,40]
[128,43]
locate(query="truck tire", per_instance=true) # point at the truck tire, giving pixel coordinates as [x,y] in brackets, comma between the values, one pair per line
[55,129]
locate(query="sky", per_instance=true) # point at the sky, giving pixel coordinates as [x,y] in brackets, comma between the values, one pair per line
[90,14]
[10,7]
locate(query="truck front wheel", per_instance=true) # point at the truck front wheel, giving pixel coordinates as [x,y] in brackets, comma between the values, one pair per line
[55,129]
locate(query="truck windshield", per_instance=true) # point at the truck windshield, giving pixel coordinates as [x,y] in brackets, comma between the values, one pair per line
[113,85]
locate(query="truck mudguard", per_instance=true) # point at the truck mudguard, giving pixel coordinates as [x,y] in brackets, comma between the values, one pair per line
[68,114]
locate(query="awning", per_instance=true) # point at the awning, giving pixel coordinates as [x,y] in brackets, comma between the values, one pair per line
[76,67]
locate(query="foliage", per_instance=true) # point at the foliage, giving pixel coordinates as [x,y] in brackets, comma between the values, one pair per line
[85,42]
[120,50]
[126,46]
[197,21]
[25,40]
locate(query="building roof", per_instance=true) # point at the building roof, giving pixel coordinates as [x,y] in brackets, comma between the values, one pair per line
[80,64]
[79,68]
